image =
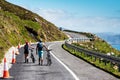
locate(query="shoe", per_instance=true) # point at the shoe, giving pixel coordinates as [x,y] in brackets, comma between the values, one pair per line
[27,60]
[39,64]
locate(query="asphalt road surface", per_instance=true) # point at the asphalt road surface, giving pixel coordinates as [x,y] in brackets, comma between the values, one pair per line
[82,69]
[75,35]
[33,71]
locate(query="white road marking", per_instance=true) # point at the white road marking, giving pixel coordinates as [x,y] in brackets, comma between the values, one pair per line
[72,73]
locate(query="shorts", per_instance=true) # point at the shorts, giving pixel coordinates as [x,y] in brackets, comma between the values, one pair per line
[40,54]
[26,52]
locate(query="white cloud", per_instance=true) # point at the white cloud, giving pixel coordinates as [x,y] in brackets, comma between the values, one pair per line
[72,21]
[50,14]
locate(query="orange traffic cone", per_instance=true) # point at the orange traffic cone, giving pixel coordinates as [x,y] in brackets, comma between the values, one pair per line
[13,57]
[5,72]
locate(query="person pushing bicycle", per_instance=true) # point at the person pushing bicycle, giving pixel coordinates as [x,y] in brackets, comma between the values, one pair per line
[39,51]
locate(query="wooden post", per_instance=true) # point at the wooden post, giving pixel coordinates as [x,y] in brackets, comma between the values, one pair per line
[111,64]
[118,67]
[105,62]
[95,59]
[99,60]
[91,57]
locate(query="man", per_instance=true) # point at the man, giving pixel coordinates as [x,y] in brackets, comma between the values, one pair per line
[39,51]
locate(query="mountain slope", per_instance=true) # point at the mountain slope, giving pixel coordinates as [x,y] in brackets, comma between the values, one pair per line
[18,25]
[47,27]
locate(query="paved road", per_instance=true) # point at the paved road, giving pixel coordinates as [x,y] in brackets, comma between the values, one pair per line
[32,71]
[75,35]
[83,70]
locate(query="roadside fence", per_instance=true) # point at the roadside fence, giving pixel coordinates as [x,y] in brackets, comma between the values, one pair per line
[102,57]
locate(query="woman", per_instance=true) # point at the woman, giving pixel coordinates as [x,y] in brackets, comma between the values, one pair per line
[26,51]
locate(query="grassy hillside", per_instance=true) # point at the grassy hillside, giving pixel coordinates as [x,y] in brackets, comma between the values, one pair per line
[48,31]
[18,25]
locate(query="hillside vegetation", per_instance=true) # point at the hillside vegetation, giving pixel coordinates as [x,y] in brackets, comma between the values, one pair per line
[99,45]
[18,25]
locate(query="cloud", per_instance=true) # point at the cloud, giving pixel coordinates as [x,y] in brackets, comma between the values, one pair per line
[72,21]
[51,14]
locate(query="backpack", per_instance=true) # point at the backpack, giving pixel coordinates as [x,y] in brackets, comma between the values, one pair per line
[26,47]
[40,46]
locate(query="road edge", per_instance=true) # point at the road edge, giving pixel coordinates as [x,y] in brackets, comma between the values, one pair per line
[66,67]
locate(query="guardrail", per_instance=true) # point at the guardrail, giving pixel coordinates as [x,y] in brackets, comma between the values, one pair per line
[83,39]
[105,57]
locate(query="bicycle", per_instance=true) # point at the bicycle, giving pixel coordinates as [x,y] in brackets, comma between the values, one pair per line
[49,61]
[32,56]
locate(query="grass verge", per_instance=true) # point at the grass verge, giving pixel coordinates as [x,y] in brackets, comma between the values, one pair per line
[95,62]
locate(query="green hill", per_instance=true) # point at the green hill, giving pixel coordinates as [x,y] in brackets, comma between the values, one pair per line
[18,25]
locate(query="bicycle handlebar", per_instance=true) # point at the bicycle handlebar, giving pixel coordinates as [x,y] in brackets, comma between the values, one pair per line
[49,50]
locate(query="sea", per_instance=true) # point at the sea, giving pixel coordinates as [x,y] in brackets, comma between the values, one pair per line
[116,46]
[112,39]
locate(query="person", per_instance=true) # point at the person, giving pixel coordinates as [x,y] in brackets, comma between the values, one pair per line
[39,51]
[26,51]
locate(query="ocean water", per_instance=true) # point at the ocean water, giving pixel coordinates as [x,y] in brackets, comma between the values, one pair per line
[112,39]
[116,46]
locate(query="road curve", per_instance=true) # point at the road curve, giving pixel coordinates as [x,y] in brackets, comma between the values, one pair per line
[82,69]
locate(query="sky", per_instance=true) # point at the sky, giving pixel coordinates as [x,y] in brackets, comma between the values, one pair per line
[95,16]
